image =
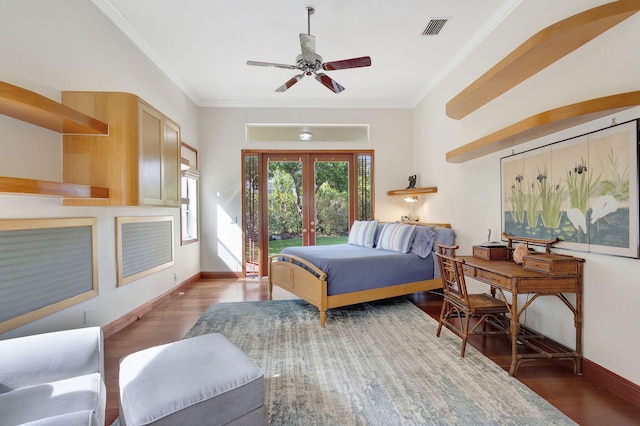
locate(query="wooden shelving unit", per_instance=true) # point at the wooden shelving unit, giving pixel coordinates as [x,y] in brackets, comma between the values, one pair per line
[413,191]
[538,52]
[36,109]
[543,124]
[48,188]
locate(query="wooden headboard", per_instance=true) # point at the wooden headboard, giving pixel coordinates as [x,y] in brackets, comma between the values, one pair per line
[442,225]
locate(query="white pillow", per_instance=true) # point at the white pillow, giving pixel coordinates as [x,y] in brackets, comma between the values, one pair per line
[396,237]
[363,232]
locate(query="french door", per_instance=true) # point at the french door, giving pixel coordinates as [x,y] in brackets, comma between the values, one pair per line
[297,198]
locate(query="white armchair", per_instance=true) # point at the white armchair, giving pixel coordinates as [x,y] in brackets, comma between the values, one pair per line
[53,379]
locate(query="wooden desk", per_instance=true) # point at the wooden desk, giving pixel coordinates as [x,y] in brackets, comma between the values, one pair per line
[508,276]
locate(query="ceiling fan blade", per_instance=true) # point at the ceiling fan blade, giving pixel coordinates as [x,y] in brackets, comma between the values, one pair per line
[291,82]
[308,46]
[330,83]
[271,64]
[364,61]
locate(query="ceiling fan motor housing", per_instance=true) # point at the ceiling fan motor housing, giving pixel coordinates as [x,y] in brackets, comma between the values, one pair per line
[309,67]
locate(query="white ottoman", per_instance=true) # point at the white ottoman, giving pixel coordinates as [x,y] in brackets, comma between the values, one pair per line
[204,380]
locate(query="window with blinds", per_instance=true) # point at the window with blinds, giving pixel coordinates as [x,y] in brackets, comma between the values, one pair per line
[144,245]
[46,265]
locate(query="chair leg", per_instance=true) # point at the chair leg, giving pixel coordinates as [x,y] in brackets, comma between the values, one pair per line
[443,313]
[464,327]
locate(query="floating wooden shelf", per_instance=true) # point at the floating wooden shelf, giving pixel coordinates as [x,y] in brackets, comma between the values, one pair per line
[538,52]
[57,189]
[36,109]
[413,191]
[543,124]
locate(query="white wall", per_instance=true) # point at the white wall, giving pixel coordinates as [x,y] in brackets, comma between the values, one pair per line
[469,193]
[52,46]
[222,138]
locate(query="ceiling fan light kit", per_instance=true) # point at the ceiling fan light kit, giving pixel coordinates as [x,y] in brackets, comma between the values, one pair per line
[310,63]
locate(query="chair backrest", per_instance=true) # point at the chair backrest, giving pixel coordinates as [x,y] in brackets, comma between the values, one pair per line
[453,283]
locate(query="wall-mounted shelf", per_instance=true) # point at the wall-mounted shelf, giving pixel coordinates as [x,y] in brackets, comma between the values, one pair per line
[538,52]
[413,191]
[48,188]
[36,109]
[543,124]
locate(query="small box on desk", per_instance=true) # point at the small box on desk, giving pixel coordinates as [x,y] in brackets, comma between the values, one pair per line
[492,253]
[550,263]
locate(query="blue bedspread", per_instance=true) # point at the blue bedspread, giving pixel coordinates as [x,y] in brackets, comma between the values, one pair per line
[353,268]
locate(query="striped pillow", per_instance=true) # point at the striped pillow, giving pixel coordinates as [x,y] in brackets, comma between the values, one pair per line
[362,233]
[396,237]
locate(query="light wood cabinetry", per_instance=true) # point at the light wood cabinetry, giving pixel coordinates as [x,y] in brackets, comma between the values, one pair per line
[138,161]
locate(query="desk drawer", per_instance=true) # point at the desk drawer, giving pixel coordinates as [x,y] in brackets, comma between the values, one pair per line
[492,253]
[469,271]
[492,278]
[552,263]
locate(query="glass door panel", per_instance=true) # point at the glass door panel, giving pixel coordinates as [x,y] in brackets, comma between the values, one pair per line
[284,203]
[331,200]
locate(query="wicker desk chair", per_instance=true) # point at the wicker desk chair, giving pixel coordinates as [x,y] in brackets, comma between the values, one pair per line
[459,306]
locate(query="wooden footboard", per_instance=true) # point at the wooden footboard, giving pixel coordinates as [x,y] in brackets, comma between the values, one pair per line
[310,284]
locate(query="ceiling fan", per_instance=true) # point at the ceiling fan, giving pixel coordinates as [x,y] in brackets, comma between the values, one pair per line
[310,63]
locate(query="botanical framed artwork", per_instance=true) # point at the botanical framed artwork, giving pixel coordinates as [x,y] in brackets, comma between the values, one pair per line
[583,190]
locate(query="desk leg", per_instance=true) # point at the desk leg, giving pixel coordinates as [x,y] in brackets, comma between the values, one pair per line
[578,324]
[515,329]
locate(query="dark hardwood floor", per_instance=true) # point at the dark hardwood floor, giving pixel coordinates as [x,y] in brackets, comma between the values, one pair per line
[578,397]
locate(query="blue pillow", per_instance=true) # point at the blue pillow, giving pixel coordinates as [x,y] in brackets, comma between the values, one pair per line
[396,237]
[362,233]
[423,241]
[445,236]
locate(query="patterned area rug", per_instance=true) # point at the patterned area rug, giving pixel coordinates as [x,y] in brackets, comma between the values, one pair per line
[376,363]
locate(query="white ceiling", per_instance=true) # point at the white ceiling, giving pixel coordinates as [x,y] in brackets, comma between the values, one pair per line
[203,46]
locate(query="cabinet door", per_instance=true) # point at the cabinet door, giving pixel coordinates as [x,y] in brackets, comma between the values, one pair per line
[171,163]
[150,161]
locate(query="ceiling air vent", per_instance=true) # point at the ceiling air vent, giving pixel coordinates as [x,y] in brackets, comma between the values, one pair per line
[434,26]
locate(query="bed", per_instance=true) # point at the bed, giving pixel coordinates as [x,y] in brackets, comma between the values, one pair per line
[381,260]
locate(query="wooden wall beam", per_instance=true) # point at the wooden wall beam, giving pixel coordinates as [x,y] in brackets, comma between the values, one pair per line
[538,52]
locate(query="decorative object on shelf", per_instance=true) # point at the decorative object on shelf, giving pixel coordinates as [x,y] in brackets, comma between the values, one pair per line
[583,190]
[412,181]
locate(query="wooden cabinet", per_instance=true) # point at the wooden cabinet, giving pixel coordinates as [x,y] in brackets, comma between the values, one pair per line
[138,161]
